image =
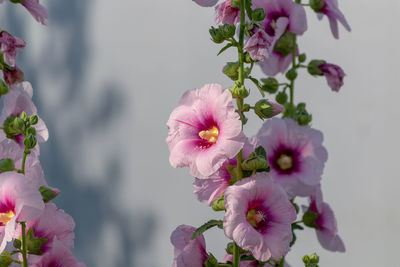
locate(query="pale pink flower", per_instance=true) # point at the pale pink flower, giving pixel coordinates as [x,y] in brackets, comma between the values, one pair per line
[275,63]
[59,256]
[259,45]
[229,258]
[226,14]
[326,226]
[295,154]
[19,201]
[205,3]
[259,216]
[204,131]
[38,11]
[9,45]
[208,190]
[331,10]
[334,75]
[188,252]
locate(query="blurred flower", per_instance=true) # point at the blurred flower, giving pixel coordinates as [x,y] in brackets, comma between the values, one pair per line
[204,131]
[259,45]
[295,154]
[259,216]
[188,252]
[206,3]
[16,75]
[324,222]
[19,201]
[226,14]
[9,46]
[38,11]
[334,75]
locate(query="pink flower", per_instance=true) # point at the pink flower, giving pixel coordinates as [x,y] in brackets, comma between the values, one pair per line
[20,99]
[295,154]
[206,3]
[38,11]
[208,190]
[59,256]
[334,75]
[331,10]
[188,252]
[53,223]
[204,131]
[19,201]
[259,216]
[226,14]
[13,76]
[259,45]
[251,263]
[281,16]
[325,223]
[9,46]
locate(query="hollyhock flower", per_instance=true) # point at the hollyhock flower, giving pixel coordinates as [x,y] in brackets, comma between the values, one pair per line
[19,99]
[59,256]
[334,75]
[229,258]
[281,16]
[19,201]
[204,131]
[14,76]
[38,11]
[330,8]
[259,216]
[208,190]
[205,3]
[9,46]
[226,14]
[188,252]
[295,154]
[53,223]
[324,222]
[259,45]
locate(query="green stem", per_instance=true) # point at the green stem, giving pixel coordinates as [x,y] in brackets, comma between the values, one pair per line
[23,162]
[294,67]
[236,255]
[24,257]
[241,41]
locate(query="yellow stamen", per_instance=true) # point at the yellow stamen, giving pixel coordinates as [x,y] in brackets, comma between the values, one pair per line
[6,217]
[285,162]
[210,135]
[255,217]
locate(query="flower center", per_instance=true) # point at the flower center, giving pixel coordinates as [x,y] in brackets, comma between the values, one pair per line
[210,135]
[6,217]
[285,162]
[256,218]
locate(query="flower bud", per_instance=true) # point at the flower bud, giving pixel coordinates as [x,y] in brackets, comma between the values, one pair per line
[31,130]
[309,219]
[17,124]
[247,58]
[266,109]
[317,5]
[4,88]
[231,70]
[24,116]
[285,44]
[239,92]
[302,58]
[302,116]
[291,75]
[227,31]
[281,98]
[259,14]
[48,193]
[30,141]
[311,261]
[313,67]
[6,259]
[7,165]
[254,162]
[17,244]
[219,204]
[216,35]
[271,85]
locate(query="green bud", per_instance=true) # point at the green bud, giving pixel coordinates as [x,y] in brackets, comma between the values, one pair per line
[314,258]
[265,109]
[302,116]
[271,85]
[227,31]
[17,244]
[34,244]
[254,162]
[30,141]
[4,88]
[317,5]
[5,259]
[18,124]
[281,98]
[302,58]
[219,204]
[311,261]
[31,131]
[235,3]
[309,219]
[291,75]
[48,193]
[313,67]
[33,119]
[285,44]
[24,116]
[7,165]
[239,92]
[259,14]
[247,58]
[216,35]
[231,70]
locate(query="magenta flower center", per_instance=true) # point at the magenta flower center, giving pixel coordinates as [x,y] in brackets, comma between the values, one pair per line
[285,162]
[210,135]
[257,217]
[6,217]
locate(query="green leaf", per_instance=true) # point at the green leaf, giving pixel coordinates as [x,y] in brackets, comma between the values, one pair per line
[258,84]
[260,151]
[224,48]
[211,261]
[206,226]
[249,11]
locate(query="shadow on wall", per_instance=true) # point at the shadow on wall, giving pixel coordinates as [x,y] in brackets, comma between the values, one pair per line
[105,235]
